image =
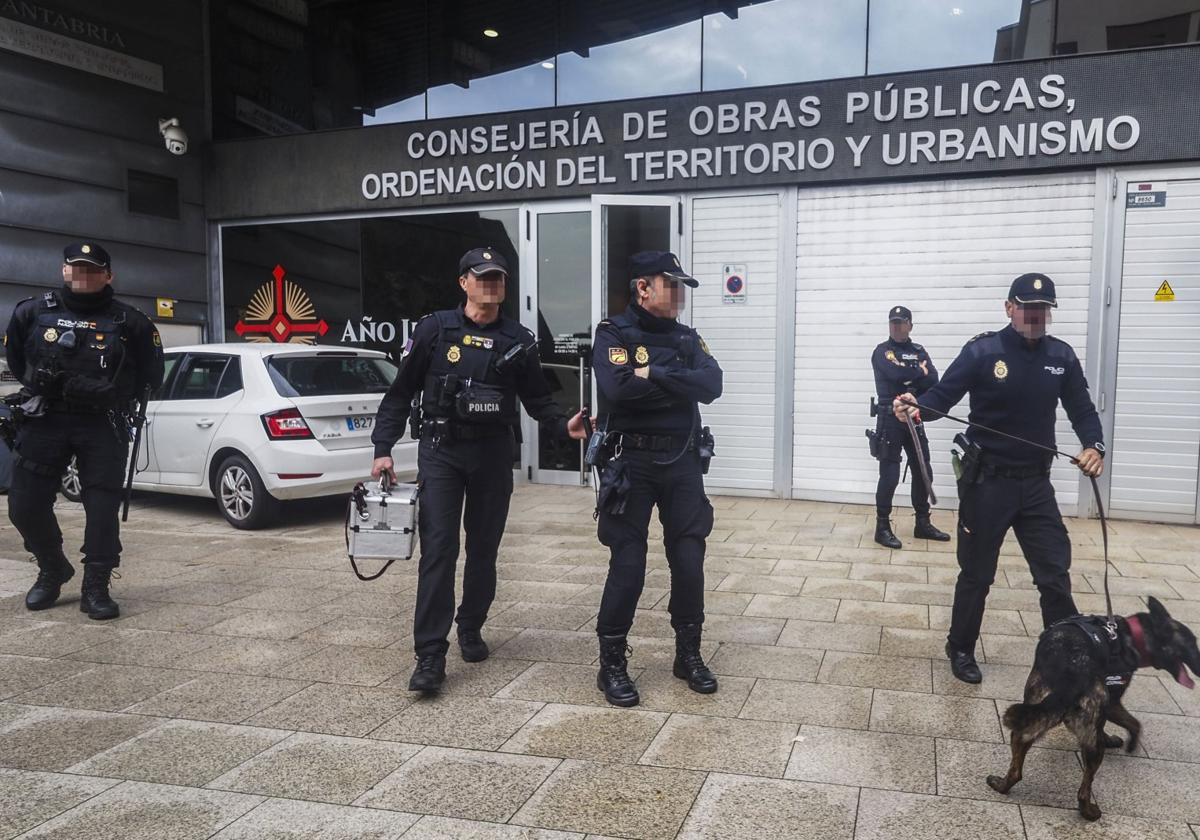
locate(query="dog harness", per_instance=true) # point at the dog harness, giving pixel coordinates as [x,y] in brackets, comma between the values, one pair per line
[1121,659]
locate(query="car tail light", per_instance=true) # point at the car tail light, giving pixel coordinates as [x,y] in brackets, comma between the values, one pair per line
[286,424]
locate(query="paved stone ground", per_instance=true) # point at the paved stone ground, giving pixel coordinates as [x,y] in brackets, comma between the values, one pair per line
[255,689]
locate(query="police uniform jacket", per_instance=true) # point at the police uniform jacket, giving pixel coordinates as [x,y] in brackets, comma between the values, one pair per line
[113,344]
[897,366]
[1016,389]
[449,344]
[683,373]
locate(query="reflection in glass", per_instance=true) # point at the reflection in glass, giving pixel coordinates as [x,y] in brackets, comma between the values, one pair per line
[625,231]
[525,87]
[785,41]
[1099,25]
[406,110]
[921,34]
[656,64]
[564,246]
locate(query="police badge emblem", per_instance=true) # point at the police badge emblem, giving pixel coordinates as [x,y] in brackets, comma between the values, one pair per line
[641,355]
[50,335]
[453,354]
[1000,371]
[618,355]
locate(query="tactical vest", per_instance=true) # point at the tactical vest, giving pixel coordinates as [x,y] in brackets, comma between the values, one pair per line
[661,349]
[80,359]
[462,382]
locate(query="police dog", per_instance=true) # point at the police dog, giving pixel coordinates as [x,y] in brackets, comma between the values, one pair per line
[1080,672]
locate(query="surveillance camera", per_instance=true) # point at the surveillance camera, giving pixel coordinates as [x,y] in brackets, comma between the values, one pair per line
[176,138]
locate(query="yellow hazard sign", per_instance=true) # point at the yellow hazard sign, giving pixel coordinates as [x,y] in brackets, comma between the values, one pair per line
[1165,292]
[165,307]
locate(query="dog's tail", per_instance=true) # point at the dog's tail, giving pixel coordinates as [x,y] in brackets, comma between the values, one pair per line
[1020,717]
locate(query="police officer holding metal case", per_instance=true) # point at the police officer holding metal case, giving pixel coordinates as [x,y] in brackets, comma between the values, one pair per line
[1016,377]
[652,372]
[461,376]
[901,366]
[85,358]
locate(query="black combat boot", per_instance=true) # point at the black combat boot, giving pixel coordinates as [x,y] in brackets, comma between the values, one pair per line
[472,645]
[884,535]
[429,674]
[613,678]
[94,599]
[688,664]
[52,574]
[926,530]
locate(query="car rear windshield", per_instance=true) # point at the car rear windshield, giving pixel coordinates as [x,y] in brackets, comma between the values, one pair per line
[324,376]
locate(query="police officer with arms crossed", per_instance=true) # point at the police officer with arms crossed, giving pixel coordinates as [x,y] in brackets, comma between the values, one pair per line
[651,372]
[901,366]
[468,367]
[84,358]
[1016,377]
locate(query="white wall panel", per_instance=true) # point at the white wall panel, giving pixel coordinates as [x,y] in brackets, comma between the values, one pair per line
[742,230]
[947,250]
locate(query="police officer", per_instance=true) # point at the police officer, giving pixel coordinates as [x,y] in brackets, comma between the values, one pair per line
[901,366]
[84,358]
[651,372]
[468,366]
[1016,377]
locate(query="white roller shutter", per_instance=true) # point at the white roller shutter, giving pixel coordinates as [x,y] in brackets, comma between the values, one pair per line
[948,250]
[739,230]
[1156,422]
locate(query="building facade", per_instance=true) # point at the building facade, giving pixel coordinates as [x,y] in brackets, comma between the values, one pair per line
[813,163]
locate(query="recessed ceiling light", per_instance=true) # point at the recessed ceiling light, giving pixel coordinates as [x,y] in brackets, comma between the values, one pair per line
[956,11]
[549,65]
[491,33]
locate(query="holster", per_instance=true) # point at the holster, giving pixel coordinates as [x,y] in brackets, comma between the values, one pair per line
[614,487]
[705,447]
[970,464]
[875,437]
[415,416]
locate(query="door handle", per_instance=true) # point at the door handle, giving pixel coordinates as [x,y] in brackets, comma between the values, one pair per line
[205,423]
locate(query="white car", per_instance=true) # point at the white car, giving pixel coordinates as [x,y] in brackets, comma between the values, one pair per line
[254,424]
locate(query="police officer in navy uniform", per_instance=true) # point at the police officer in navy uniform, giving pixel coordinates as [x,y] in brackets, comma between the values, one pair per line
[84,359]
[469,366]
[901,366]
[652,372]
[1016,378]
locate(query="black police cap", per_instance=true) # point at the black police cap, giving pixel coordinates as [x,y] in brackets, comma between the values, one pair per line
[650,263]
[899,313]
[1032,288]
[86,253]
[481,261]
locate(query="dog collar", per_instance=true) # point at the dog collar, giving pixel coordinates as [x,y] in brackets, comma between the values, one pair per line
[1139,641]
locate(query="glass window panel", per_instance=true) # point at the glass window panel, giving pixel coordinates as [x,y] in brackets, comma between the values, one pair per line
[785,41]
[1099,25]
[662,58]
[922,34]
[525,87]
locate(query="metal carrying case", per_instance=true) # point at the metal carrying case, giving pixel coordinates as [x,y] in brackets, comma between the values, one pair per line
[381,524]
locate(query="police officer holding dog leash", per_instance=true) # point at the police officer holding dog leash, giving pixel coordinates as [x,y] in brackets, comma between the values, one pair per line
[1016,377]
[84,359]
[461,375]
[652,372]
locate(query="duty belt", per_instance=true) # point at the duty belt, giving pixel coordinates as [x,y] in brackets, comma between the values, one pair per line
[461,431]
[653,443]
[991,468]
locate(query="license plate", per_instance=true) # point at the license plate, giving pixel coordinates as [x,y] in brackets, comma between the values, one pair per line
[356,424]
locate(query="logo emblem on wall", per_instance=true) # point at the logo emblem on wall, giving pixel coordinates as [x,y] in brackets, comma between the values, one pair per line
[281,312]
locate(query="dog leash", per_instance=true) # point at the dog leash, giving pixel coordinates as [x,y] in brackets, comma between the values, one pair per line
[1112,621]
[912,430]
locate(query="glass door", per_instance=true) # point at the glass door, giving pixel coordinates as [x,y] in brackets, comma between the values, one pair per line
[559,313]
[622,225]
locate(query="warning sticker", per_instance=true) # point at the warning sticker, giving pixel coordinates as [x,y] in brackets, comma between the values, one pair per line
[1165,292]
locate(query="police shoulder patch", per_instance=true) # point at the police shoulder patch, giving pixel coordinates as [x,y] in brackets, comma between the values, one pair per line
[618,355]
[154,336]
[704,345]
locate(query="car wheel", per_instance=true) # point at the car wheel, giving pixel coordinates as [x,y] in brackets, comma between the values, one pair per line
[244,501]
[71,487]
